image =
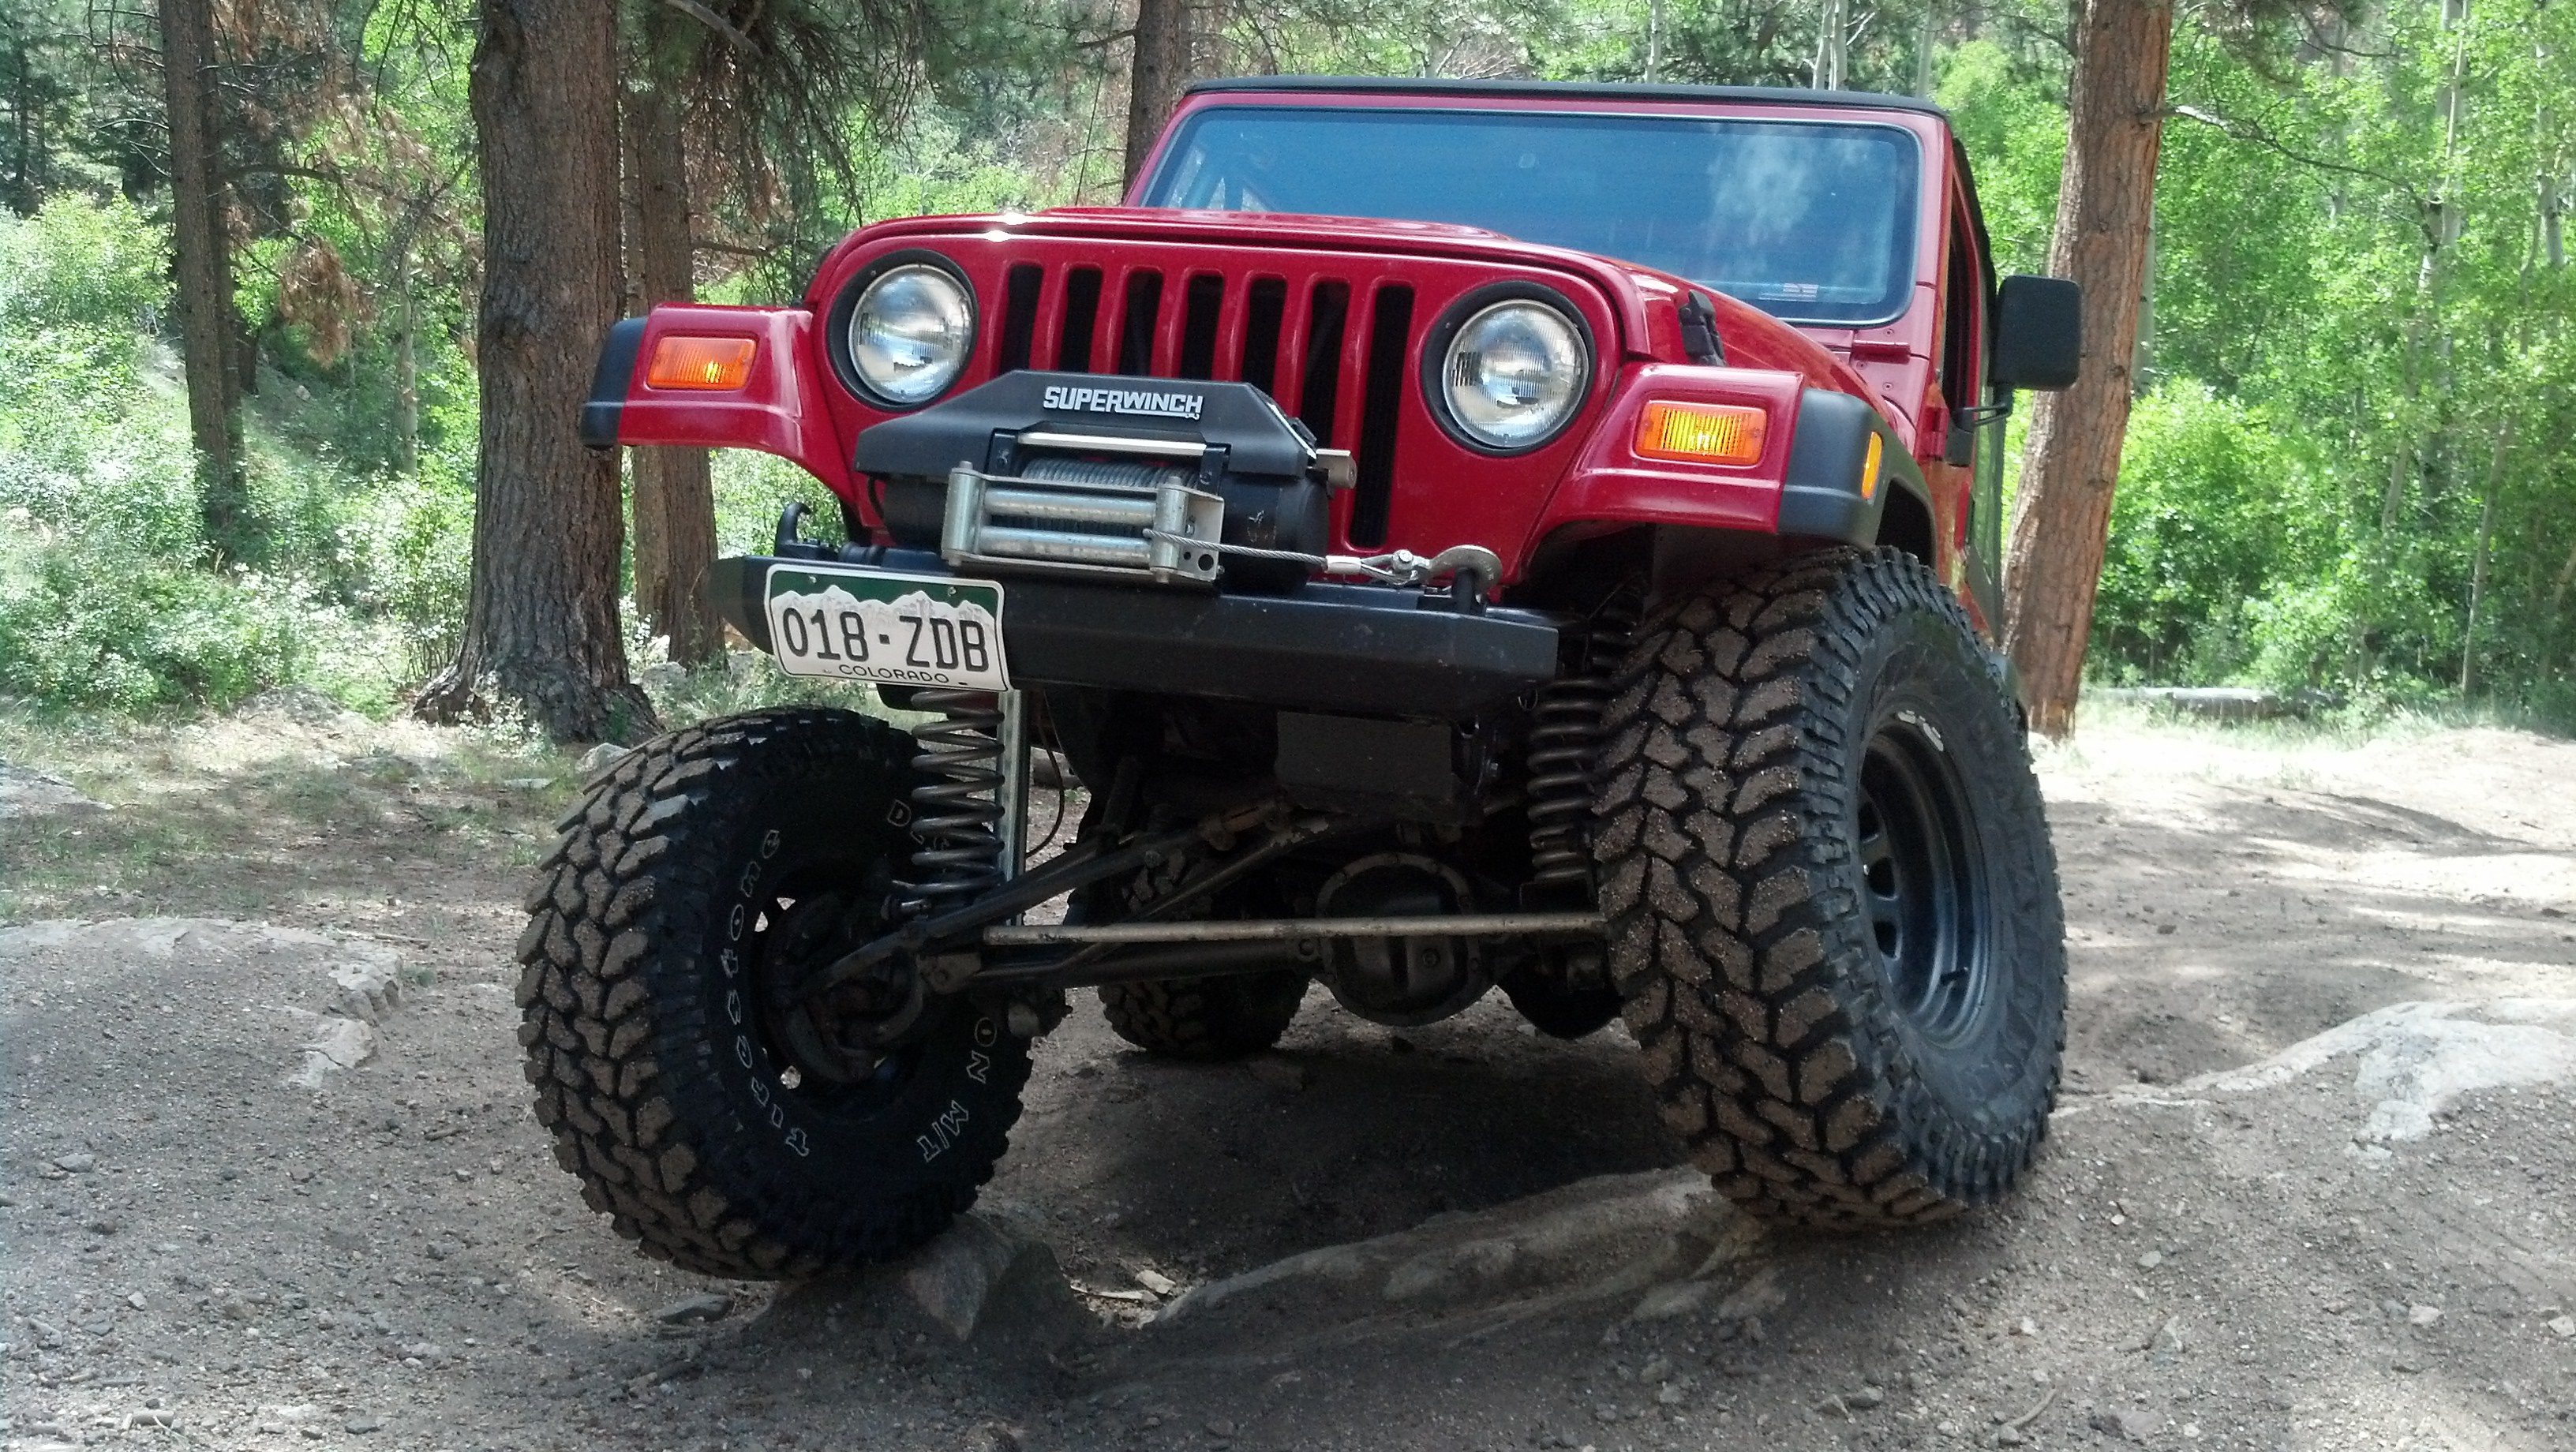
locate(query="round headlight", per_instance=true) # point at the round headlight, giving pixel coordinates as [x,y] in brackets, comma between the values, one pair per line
[1514,374]
[910,333]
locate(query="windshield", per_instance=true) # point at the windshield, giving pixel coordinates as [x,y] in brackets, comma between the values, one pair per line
[1811,222]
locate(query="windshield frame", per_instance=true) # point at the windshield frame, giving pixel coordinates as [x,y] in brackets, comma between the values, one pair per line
[1172,153]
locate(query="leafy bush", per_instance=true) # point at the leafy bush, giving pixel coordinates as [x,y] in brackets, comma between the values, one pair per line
[107,598]
[2217,567]
[82,264]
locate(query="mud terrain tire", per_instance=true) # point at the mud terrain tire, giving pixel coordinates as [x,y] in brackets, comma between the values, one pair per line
[1832,900]
[1204,1018]
[1208,1019]
[671,1091]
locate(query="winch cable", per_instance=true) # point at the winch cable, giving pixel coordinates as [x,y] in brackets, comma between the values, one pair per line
[1396,567]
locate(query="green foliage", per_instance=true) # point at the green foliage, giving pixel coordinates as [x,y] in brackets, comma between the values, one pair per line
[2214,499]
[2013,121]
[80,264]
[106,598]
[2357,370]
[2355,300]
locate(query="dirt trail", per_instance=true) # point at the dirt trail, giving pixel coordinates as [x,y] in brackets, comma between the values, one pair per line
[214,1233]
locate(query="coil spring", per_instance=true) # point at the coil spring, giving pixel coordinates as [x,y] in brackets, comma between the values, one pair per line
[956,815]
[1565,738]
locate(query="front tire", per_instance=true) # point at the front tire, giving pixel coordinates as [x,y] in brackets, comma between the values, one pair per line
[725,1127]
[1832,899]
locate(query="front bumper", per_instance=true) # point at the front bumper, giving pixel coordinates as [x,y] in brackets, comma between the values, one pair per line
[1367,649]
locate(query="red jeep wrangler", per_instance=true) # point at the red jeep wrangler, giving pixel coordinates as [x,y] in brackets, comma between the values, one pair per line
[1461,535]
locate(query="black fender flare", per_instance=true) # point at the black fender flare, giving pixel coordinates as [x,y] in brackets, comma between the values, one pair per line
[1824,494]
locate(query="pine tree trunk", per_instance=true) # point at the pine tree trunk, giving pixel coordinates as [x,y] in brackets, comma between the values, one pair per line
[541,621]
[1160,72]
[205,274]
[675,511]
[2105,213]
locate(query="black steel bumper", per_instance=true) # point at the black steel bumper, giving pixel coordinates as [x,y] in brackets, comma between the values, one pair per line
[1355,648]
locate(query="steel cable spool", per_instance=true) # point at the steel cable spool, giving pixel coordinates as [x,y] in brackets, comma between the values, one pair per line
[1103,473]
[957,815]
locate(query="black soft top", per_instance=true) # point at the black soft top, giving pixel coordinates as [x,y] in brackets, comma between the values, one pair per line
[1593,90]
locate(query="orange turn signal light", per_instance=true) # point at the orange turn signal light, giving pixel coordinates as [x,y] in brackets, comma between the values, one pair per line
[713,363]
[1702,433]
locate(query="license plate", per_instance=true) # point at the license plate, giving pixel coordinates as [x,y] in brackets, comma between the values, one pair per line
[866,625]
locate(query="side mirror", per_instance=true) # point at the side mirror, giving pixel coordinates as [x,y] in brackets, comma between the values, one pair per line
[2039,333]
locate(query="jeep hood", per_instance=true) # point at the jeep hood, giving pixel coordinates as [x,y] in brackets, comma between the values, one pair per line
[1643,300]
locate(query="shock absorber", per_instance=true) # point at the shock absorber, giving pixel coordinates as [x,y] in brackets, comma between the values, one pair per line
[1565,737]
[957,814]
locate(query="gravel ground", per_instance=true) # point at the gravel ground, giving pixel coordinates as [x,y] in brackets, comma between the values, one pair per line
[268,1180]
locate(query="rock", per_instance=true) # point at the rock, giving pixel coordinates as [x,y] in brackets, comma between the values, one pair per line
[992,1437]
[135,1299]
[598,759]
[1866,1398]
[2132,1424]
[1220,1429]
[2423,1315]
[2412,1061]
[979,1268]
[1157,1282]
[369,984]
[1609,1235]
[695,1310]
[25,793]
[337,1044]
[527,783]
[78,1162]
[363,1423]
[2151,1260]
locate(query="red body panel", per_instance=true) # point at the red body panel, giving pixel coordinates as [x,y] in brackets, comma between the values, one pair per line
[782,409]
[1443,493]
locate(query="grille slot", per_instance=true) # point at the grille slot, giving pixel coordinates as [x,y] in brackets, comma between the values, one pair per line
[1081,320]
[1390,349]
[1266,307]
[1202,304]
[1019,317]
[1320,371]
[1136,331]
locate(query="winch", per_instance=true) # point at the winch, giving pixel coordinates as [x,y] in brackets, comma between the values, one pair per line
[1053,473]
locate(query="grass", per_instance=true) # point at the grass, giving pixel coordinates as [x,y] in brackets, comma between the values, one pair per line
[2354,725]
[293,807]
[263,811]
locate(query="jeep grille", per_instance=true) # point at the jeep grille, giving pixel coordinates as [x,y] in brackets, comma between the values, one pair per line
[1332,352]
